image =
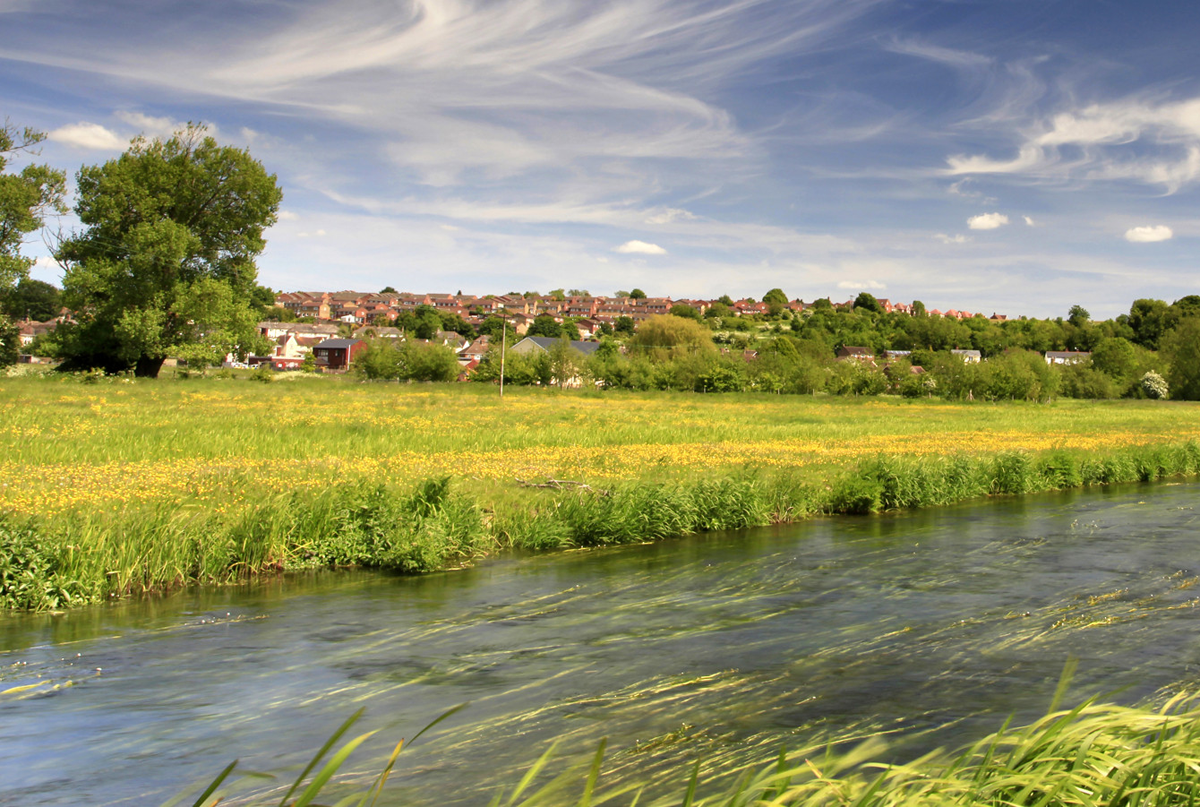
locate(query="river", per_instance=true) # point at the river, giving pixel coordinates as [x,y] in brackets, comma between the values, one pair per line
[718,647]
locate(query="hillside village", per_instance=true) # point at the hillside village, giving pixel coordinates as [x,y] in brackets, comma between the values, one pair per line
[328,330]
[359,308]
[322,317]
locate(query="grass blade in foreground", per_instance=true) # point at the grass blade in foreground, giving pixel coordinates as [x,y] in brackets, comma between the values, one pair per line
[1095,755]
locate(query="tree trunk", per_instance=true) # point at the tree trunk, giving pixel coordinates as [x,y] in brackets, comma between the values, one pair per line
[147,367]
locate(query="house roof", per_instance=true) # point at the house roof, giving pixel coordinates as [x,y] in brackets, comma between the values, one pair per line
[546,342]
[339,343]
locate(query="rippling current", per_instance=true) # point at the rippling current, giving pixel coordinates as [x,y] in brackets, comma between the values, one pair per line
[717,647]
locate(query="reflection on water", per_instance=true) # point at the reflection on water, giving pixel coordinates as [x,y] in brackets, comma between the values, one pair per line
[717,647]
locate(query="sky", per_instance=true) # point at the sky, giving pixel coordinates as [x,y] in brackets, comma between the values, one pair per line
[1011,156]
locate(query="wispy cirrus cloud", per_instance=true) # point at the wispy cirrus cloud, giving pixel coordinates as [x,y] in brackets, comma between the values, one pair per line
[497,87]
[1137,140]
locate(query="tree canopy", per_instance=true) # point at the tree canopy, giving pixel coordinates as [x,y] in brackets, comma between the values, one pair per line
[664,335]
[32,299]
[545,325]
[867,302]
[165,262]
[26,197]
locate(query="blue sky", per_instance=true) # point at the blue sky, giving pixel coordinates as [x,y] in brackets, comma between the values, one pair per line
[1018,156]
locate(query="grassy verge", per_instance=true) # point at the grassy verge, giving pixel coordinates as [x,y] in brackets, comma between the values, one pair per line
[1094,755]
[121,487]
[83,558]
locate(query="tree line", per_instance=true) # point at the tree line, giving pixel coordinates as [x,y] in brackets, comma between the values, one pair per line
[1152,350]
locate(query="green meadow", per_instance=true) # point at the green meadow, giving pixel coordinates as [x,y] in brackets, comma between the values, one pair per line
[118,486]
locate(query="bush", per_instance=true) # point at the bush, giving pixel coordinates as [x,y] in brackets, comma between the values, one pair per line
[856,494]
[1083,381]
[373,526]
[1155,386]
[30,577]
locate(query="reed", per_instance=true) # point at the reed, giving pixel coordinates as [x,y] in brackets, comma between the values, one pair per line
[1094,755]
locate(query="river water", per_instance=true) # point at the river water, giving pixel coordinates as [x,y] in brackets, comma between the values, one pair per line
[717,647]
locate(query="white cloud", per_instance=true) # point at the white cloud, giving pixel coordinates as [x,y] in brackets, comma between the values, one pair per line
[155,127]
[462,88]
[90,136]
[859,285]
[1027,159]
[317,234]
[934,53]
[987,221]
[670,214]
[1130,139]
[287,215]
[1029,221]
[1148,234]
[640,248]
[958,238]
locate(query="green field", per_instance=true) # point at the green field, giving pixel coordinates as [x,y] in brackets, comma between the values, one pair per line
[123,485]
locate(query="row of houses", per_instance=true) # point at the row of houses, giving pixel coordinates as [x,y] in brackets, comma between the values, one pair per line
[865,354]
[362,308]
[339,354]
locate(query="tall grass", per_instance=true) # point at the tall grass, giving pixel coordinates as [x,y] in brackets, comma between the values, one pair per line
[86,558]
[435,525]
[114,488]
[1094,755]
[900,483]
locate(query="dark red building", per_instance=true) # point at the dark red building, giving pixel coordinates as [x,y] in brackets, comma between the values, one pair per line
[337,354]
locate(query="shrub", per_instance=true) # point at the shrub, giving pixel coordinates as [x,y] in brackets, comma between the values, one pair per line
[1155,386]
[1011,473]
[30,576]
[856,494]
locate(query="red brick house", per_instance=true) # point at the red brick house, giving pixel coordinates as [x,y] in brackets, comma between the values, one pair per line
[336,355]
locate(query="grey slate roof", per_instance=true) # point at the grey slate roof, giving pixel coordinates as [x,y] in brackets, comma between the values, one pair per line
[547,342]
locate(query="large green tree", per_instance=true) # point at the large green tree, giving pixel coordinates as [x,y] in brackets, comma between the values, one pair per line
[164,265]
[1182,347]
[26,197]
[1150,319]
[662,337]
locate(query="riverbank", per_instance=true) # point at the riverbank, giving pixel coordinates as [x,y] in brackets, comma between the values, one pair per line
[929,627]
[117,488]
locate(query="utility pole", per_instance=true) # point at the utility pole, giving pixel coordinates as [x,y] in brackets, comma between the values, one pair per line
[503,340]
